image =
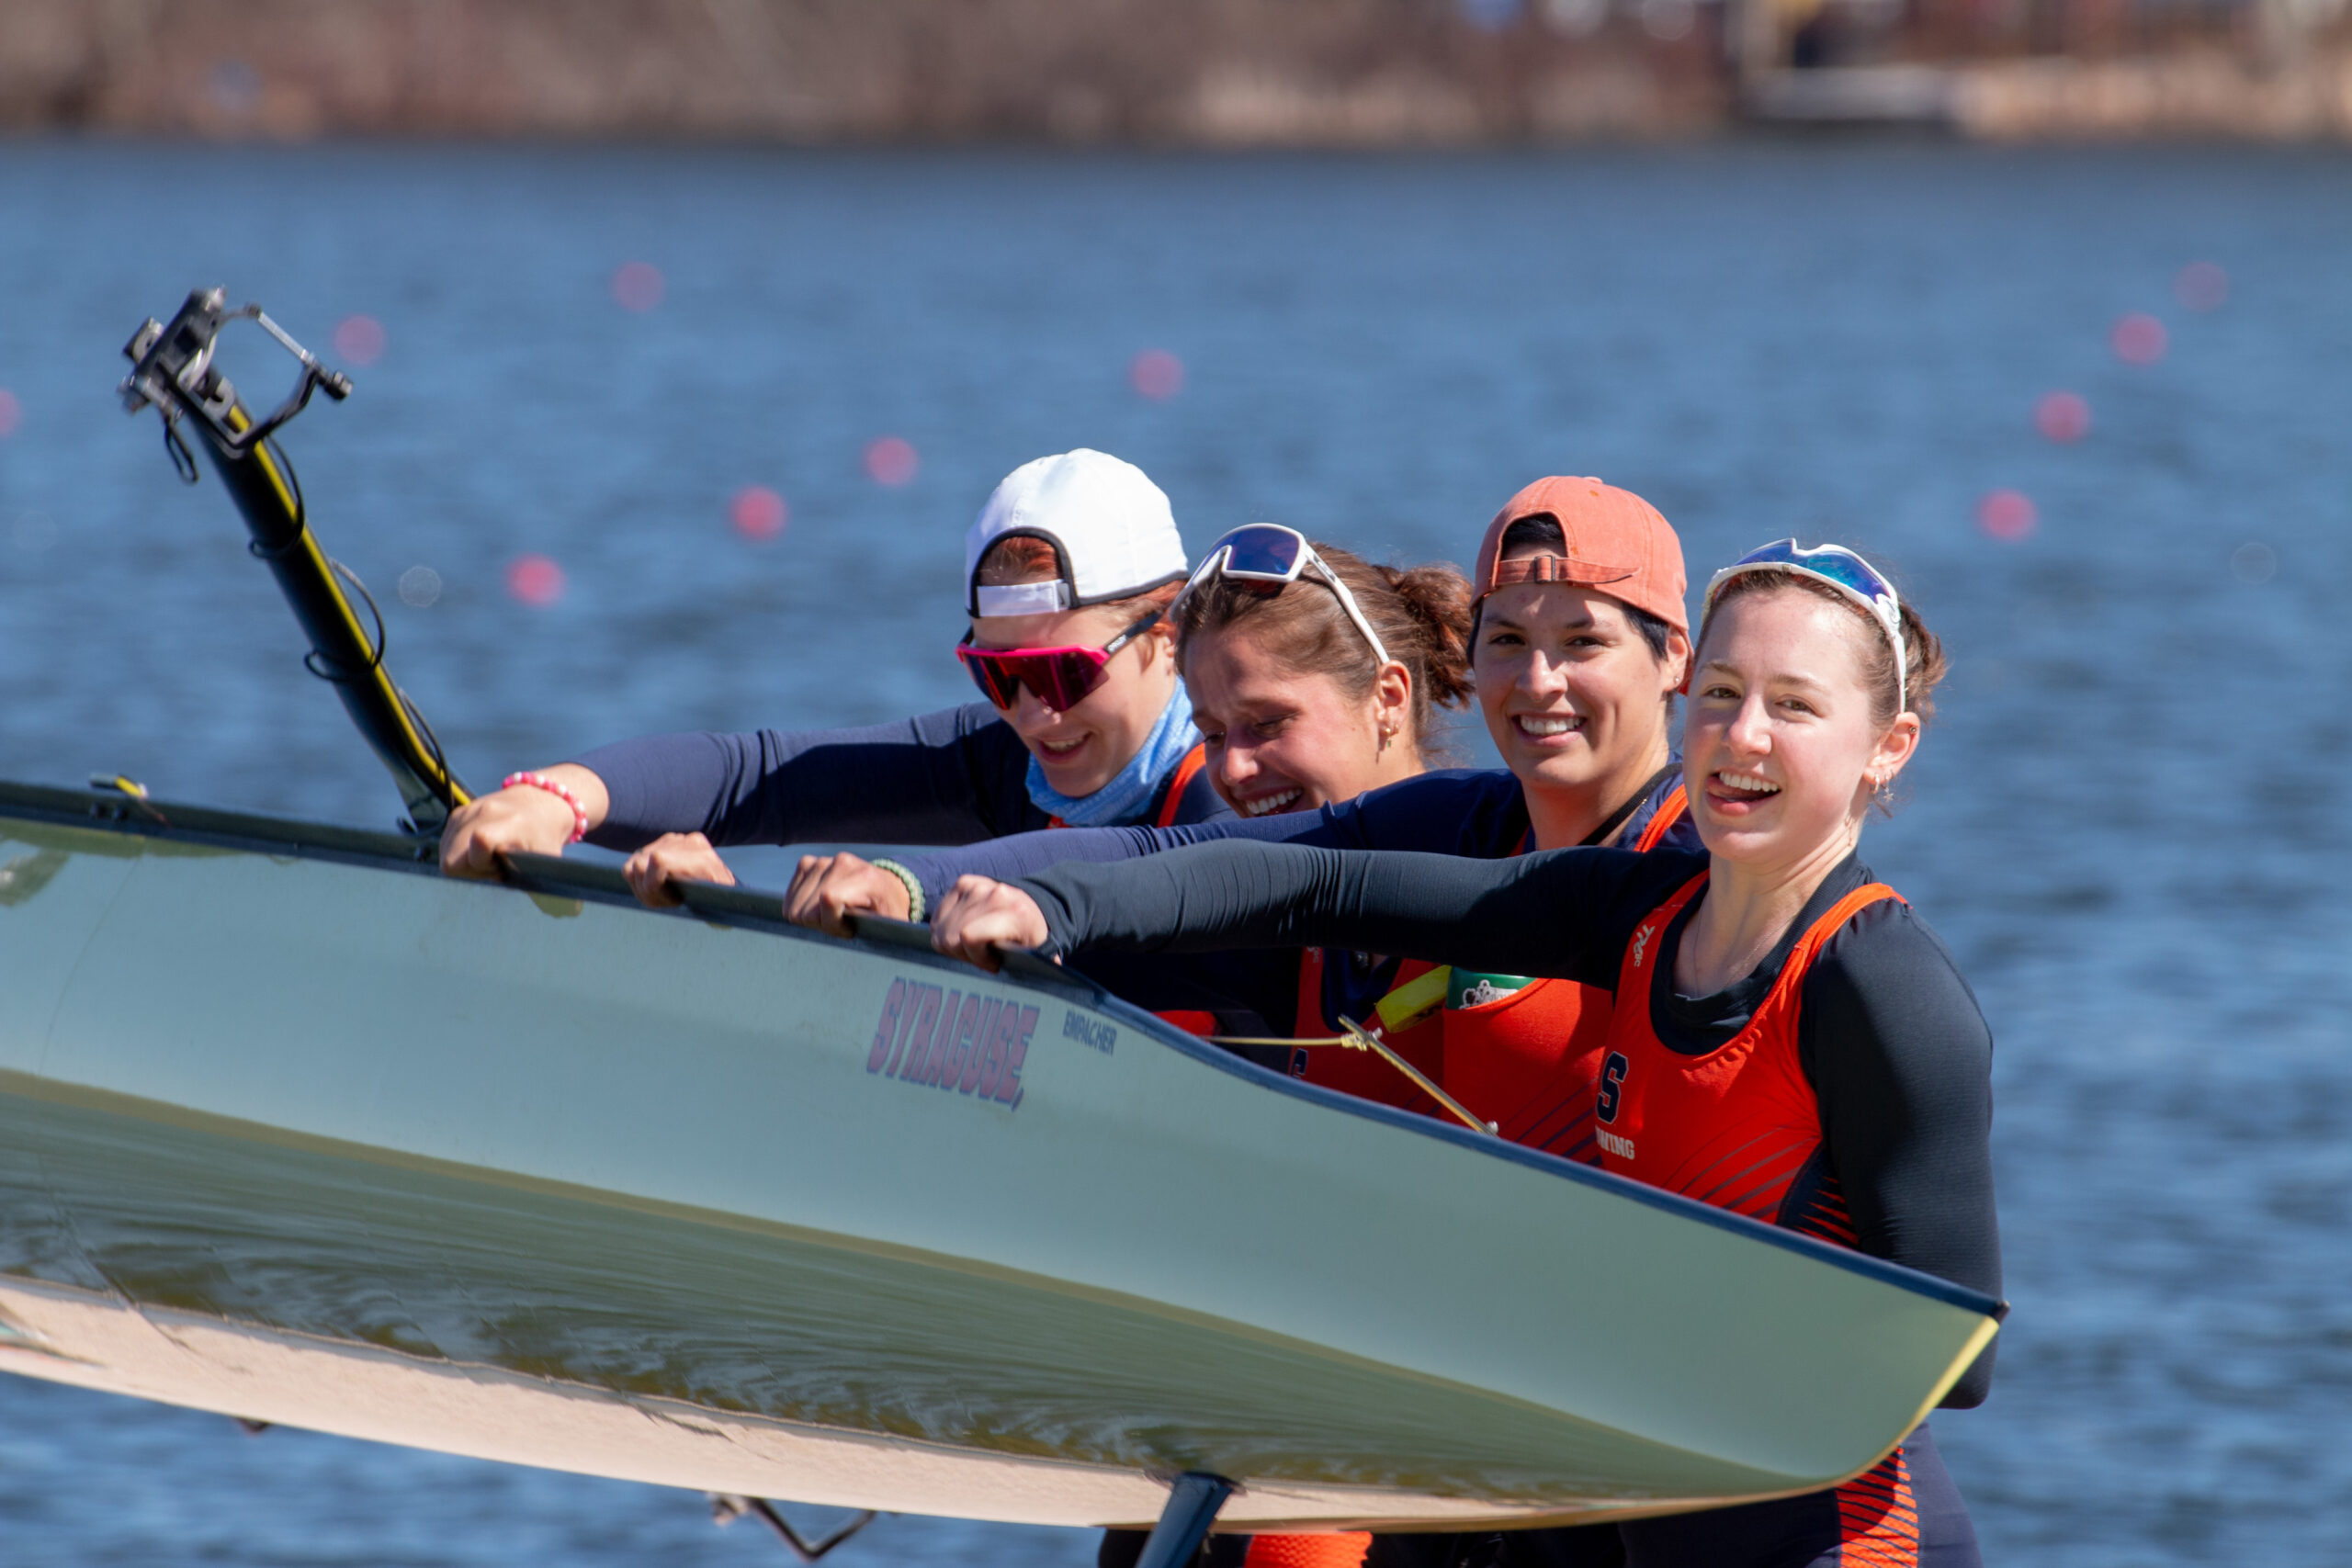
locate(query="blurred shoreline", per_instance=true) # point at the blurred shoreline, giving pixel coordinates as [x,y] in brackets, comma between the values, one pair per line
[1177,73]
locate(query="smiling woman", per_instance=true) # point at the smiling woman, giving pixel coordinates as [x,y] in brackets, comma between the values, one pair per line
[1900,663]
[1089,687]
[1304,698]
[1580,643]
[1789,1039]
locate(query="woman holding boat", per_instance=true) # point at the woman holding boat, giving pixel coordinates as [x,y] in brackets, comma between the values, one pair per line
[1069,569]
[1314,675]
[1790,1040]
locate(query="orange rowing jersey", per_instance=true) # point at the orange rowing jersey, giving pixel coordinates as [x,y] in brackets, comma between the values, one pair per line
[1737,1126]
[1528,1060]
[1360,1073]
[1187,1020]
[1340,1549]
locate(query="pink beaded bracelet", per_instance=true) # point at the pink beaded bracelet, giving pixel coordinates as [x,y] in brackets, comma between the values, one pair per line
[540,781]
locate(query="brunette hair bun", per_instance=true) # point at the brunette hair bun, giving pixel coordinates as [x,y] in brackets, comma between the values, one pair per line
[1437,597]
[1925,665]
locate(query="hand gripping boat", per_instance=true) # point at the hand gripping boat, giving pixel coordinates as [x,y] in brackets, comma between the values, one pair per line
[294,1129]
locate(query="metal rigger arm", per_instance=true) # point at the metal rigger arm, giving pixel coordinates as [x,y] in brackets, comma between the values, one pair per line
[173,371]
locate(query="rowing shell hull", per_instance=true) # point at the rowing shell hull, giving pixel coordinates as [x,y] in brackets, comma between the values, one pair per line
[295,1130]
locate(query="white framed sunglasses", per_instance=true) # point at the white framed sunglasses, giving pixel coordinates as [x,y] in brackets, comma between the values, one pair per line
[1843,569]
[1276,556]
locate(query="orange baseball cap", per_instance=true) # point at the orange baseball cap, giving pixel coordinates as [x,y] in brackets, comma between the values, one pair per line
[1616,542]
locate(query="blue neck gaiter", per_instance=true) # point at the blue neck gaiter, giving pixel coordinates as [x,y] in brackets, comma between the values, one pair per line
[1126,797]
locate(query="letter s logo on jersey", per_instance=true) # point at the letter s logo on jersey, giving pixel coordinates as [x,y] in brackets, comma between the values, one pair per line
[1612,1086]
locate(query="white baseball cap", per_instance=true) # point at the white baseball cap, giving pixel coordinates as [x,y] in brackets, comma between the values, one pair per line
[1112,532]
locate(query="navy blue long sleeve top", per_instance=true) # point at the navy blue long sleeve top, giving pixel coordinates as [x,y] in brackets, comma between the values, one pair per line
[1481,813]
[949,777]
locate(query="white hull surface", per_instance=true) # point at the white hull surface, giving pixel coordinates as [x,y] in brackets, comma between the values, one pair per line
[293,1129]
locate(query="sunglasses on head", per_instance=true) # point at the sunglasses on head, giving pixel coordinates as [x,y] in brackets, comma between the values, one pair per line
[1841,569]
[1061,677]
[1274,556]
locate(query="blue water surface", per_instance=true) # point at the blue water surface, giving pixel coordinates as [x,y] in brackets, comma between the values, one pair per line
[2124,822]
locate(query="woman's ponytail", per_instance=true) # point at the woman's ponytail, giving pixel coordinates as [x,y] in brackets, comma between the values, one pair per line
[1437,598]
